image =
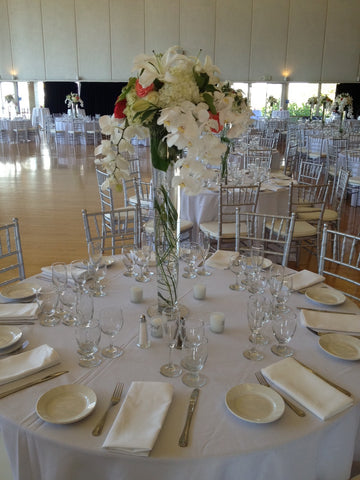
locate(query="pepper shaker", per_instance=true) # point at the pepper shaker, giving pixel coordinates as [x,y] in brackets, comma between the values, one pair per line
[143,341]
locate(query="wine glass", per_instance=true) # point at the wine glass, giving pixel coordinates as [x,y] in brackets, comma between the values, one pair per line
[195,356]
[283,327]
[111,322]
[190,252]
[98,286]
[171,331]
[88,334]
[255,315]
[141,259]
[68,299]
[81,274]
[237,266]
[84,306]
[204,242]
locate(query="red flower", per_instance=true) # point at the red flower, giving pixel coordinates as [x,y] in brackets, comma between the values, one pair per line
[215,116]
[119,109]
[141,91]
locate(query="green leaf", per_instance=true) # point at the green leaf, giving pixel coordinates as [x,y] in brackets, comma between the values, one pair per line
[210,102]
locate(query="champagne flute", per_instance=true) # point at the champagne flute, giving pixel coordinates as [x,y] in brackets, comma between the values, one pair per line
[255,315]
[95,252]
[237,266]
[111,322]
[171,332]
[59,280]
[204,242]
[257,256]
[276,278]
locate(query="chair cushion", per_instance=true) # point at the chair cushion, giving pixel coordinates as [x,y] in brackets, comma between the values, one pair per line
[228,229]
[185,225]
[354,180]
[304,229]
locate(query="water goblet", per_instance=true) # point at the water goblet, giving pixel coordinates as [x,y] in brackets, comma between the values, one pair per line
[88,334]
[68,299]
[255,316]
[111,322]
[171,331]
[204,242]
[190,252]
[95,252]
[128,260]
[283,327]
[47,298]
[237,266]
[141,260]
[84,306]
[284,294]
[81,273]
[195,356]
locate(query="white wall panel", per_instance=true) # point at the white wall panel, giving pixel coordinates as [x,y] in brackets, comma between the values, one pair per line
[127,35]
[305,43]
[342,42]
[197,27]
[269,38]
[59,39]
[161,25]
[5,50]
[93,38]
[232,39]
[26,39]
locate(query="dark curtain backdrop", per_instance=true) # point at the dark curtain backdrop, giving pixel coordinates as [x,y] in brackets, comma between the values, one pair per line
[353,89]
[100,97]
[55,93]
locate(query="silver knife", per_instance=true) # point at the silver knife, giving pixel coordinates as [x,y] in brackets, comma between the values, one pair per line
[184,437]
[33,382]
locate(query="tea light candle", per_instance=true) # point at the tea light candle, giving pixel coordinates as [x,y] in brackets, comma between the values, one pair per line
[156,328]
[199,291]
[217,322]
[136,294]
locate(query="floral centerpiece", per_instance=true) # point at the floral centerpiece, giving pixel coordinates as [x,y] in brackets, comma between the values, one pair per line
[272,103]
[184,107]
[326,103]
[312,101]
[343,103]
[73,101]
[10,99]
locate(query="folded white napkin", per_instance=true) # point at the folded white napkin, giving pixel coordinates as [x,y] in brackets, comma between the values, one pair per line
[329,321]
[220,259]
[305,278]
[27,363]
[140,418]
[307,388]
[15,312]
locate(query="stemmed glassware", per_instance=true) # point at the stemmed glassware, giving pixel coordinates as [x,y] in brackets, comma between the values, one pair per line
[204,242]
[129,261]
[190,252]
[238,265]
[98,286]
[84,306]
[284,294]
[283,326]
[255,315]
[88,334]
[195,356]
[142,258]
[111,322]
[68,299]
[171,332]
[95,252]
[276,278]
[59,280]
[257,256]
[81,275]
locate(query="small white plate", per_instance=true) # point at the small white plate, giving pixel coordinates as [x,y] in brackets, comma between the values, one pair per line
[66,404]
[341,346]
[255,403]
[266,263]
[324,295]
[19,291]
[9,336]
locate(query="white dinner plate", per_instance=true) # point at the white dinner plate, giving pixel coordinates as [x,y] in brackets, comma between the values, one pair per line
[341,346]
[255,403]
[66,404]
[324,295]
[9,336]
[266,262]
[19,291]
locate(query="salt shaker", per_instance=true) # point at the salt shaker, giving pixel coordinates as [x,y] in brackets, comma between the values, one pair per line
[143,341]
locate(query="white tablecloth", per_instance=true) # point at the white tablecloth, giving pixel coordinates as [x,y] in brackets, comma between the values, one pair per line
[221,445]
[204,206]
[355,172]
[39,116]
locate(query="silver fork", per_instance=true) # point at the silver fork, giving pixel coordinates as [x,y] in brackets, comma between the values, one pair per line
[293,407]
[115,398]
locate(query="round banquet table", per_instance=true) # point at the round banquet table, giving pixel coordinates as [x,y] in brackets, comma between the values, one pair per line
[354,170]
[221,446]
[204,207]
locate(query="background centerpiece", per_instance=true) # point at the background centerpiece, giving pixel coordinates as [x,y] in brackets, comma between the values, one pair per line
[73,101]
[182,104]
[343,103]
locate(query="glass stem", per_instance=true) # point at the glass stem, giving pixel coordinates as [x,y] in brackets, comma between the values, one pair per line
[170,356]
